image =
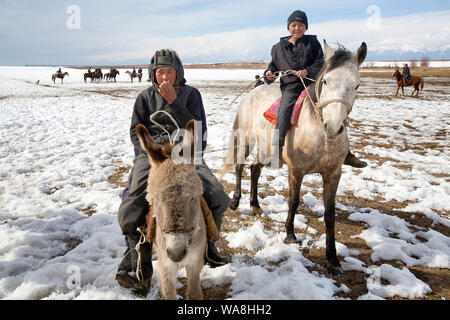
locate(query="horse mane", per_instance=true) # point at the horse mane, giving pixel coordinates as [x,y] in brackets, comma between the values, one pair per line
[341,56]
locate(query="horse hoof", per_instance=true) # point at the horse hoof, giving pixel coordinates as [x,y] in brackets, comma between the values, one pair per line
[234,204]
[290,239]
[257,211]
[335,271]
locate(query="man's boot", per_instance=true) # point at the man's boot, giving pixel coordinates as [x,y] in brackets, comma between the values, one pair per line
[213,256]
[352,160]
[134,273]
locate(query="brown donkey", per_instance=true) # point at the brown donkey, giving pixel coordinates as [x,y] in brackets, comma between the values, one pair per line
[174,193]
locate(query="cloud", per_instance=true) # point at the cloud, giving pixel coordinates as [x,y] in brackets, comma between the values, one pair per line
[423,32]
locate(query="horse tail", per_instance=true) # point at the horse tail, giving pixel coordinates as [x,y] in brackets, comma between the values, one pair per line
[421,84]
[230,158]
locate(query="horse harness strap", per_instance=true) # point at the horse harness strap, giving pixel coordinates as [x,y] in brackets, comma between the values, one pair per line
[319,105]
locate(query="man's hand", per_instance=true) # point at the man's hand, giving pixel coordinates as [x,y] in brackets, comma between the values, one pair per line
[301,73]
[270,76]
[167,91]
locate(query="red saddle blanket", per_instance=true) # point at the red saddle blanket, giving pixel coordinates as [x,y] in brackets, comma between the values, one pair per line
[271,113]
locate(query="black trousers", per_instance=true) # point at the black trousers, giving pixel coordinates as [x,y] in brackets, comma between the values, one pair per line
[288,99]
[134,207]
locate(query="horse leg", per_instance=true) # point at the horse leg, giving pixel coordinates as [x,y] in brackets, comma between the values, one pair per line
[330,184]
[234,204]
[295,182]
[194,289]
[255,172]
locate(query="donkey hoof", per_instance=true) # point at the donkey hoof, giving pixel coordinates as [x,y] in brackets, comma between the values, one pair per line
[335,271]
[290,238]
[234,204]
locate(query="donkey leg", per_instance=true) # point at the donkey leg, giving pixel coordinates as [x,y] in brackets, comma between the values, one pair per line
[234,204]
[168,278]
[255,170]
[194,289]
[295,182]
[330,184]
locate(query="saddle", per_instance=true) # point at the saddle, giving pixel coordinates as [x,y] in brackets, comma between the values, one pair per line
[271,113]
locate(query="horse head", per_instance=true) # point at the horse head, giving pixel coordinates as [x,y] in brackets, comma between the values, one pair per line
[397,74]
[174,193]
[336,87]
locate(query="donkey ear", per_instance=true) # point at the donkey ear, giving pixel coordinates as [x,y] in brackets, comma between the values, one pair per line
[361,53]
[150,147]
[188,139]
[329,52]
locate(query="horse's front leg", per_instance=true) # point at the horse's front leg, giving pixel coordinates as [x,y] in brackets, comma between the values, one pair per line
[295,182]
[255,172]
[234,204]
[330,185]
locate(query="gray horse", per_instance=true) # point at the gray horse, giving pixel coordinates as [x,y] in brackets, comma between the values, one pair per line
[317,143]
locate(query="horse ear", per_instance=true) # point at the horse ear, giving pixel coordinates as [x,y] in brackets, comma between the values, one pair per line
[361,53]
[329,52]
[153,150]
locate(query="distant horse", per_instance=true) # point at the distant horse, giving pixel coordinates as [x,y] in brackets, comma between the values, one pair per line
[136,75]
[317,143]
[59,75]
[97,75]
[415,81]
[88,75]
[112,75]
[175,195]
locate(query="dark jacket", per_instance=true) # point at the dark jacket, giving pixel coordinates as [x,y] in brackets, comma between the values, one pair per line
[187,106]
[306,53]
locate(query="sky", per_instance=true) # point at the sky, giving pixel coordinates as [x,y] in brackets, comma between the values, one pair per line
[84,32]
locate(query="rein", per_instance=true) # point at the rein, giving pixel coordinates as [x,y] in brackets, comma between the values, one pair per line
[172,142]
[317,106]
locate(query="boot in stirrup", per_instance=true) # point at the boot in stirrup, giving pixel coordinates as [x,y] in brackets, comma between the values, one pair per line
[352,160]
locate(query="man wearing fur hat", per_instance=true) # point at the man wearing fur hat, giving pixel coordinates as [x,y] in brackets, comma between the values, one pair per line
[169,93]
[304,54]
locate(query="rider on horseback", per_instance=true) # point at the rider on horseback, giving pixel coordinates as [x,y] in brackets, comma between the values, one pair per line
[304,54]
[406,74]
[89,70]
[59,71]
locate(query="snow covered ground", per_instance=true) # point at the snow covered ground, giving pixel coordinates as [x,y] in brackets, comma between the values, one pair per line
[59,236]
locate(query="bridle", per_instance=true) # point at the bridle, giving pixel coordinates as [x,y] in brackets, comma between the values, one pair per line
[318,106]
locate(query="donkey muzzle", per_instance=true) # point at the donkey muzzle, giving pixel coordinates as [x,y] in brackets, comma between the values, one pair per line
[177,246]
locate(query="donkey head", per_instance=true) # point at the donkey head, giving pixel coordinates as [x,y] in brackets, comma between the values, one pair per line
[174,191]
[338,82]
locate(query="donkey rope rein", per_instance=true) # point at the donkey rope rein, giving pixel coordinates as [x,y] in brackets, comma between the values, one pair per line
[172,141]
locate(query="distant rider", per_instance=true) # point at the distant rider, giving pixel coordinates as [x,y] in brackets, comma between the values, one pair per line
[406,74]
